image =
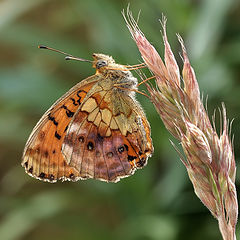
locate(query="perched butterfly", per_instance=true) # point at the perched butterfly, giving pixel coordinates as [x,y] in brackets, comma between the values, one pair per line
[96,130]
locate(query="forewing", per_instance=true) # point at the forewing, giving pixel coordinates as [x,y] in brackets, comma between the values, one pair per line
[42,157]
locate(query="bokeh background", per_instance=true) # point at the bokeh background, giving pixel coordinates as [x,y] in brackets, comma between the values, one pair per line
[158,202]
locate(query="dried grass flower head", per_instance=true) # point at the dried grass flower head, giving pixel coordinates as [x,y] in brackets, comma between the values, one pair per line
[209,157]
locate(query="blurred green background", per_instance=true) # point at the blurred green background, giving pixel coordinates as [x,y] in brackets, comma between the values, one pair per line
[157,202]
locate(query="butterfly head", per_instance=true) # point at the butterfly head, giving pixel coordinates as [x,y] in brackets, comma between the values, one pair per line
[104,62]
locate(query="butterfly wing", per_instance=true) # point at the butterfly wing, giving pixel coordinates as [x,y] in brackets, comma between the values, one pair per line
[109,137]
[42,157]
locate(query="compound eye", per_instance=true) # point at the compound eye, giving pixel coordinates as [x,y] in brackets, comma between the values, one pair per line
[101,63]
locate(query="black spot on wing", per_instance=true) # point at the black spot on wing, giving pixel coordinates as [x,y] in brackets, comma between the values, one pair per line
[121,149]
[57,135]
[72,176]
[51,177]
[99,137]
[126,146]
[52,119]
[131,158]
[42,175]
[68,112]
[90,146]
[66,128]
[141,162]
[81,139]
[74,101]
[79,97]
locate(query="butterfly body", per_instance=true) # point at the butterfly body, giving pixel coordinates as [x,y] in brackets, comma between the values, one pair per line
[96,130]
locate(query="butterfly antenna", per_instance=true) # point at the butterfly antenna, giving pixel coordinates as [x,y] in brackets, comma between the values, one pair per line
[68,56]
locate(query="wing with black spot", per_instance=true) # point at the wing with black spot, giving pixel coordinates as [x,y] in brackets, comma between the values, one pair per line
[42,157]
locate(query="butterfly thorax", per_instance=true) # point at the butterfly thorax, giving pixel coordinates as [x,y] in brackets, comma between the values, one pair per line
[114,75]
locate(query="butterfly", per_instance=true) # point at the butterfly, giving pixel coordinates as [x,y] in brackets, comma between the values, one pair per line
[96,130]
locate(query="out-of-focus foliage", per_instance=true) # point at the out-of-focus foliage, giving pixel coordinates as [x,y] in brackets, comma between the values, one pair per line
[157,202]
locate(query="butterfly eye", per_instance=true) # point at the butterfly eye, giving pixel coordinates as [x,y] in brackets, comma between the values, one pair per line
[101,63]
